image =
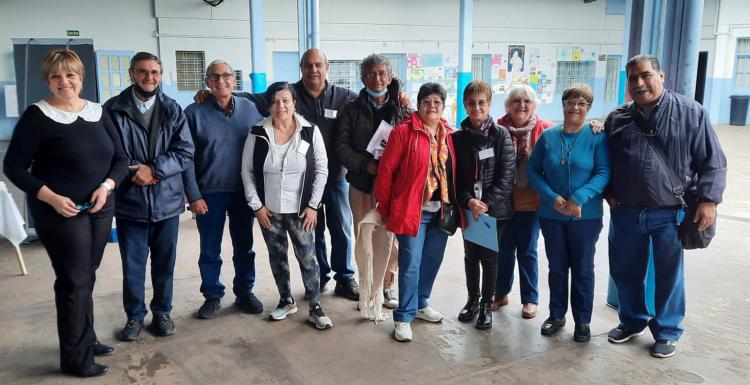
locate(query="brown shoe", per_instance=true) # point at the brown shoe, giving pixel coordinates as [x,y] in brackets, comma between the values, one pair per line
[529,310]
[498,301]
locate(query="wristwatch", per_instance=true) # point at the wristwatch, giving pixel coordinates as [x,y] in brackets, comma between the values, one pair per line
[108,186]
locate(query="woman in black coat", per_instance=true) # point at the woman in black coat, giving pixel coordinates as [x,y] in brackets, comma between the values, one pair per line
[486,171]
[76,159]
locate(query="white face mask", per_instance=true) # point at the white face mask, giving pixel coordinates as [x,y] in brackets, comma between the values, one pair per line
[376,94]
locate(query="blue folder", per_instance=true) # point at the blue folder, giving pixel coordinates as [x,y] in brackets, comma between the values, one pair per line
[482,232]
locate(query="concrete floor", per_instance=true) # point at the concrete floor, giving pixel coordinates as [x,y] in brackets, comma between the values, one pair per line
[236,348]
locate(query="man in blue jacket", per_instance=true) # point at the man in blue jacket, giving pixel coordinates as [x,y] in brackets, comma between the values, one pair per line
[157,141]
[643,205]
[213,184]
[320,102]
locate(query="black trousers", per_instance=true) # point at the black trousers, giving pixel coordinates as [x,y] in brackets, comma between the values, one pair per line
[75,247]
[474,255]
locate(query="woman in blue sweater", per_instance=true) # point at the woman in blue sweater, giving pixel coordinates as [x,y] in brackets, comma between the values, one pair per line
[569,168]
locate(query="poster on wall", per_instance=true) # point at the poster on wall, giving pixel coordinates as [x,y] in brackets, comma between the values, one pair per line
[496,65]
[516,58]
[576,53]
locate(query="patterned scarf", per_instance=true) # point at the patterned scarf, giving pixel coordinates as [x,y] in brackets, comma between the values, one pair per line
[436,174]
[483,129]
[522,143]
[522,138]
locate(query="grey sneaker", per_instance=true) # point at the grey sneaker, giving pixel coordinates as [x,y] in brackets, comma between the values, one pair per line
[619,334]
[318,318]
[663,349]
[285,307]
[390,298]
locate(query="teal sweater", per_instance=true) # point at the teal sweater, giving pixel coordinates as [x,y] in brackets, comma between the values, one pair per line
[582,176]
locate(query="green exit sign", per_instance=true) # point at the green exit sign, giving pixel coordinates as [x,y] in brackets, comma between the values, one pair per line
[72,32]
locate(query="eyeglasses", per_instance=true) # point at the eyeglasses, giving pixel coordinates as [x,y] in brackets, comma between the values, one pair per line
[84,206]
[144,72]
[481,103]
[576,103]
[373,75]
[215,77]
[521,101]
[429,102]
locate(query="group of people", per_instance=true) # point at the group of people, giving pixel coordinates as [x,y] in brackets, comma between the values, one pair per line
[288,157]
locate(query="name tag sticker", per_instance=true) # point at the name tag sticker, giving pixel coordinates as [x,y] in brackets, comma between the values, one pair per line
[486,153]
[330,114]
[303,146]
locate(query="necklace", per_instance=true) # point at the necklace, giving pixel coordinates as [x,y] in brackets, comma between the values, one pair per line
[566,151]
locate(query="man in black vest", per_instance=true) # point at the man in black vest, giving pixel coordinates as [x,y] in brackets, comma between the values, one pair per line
[157,140]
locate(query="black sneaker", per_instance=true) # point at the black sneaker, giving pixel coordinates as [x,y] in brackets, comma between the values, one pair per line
[347,289]
[619,334]
[551,326]
[101,349]
[209,308]
[582,333]
[131,331]
[162,325]
[249,303]
[318,318]
[663,349]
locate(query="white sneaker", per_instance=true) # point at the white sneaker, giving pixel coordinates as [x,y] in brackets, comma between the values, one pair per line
[390,298]
[429,314]
[318,318]
[402,331]
[283,309]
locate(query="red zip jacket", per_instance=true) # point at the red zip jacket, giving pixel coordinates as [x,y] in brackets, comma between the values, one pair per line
[402,175]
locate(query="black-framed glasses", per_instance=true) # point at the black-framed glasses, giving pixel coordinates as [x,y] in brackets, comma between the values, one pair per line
[215,77]
[85,206]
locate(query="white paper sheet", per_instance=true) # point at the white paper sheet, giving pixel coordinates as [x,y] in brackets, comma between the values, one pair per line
[378,141]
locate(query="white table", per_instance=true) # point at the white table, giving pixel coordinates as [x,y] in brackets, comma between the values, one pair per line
[12,224]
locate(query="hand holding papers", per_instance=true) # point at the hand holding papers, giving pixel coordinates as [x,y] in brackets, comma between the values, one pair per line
[378,141]
[482,232]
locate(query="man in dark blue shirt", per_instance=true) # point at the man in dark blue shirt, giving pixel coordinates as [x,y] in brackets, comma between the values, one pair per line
[213,185]
[643,205]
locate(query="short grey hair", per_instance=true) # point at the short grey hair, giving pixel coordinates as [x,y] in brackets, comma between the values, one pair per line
[522,90]
[215,63]
[374,59]
[640,59]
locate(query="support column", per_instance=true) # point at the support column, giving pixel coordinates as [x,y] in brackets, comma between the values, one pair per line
[465,24]
[257,47]
[314,26]
[689,47]
[301,27]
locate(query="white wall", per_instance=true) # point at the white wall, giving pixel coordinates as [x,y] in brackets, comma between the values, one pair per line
[113,24]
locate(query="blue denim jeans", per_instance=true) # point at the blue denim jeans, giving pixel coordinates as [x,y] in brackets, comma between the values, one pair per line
[211,229]
[136,239]
[628,261]
[519,238]
[419,259]
[570,246]
[336,212]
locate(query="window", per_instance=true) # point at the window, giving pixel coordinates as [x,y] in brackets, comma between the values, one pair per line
[742,66]
[238,80]
[112,70]
[345,73]
[398,65]
[613,71]
[190,66]
[569,72]
[480,68]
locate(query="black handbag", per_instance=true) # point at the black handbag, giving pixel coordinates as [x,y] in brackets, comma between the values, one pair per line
[690,237]
[447,218]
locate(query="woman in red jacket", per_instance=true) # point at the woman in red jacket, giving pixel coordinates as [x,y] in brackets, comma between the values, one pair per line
[415,186]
